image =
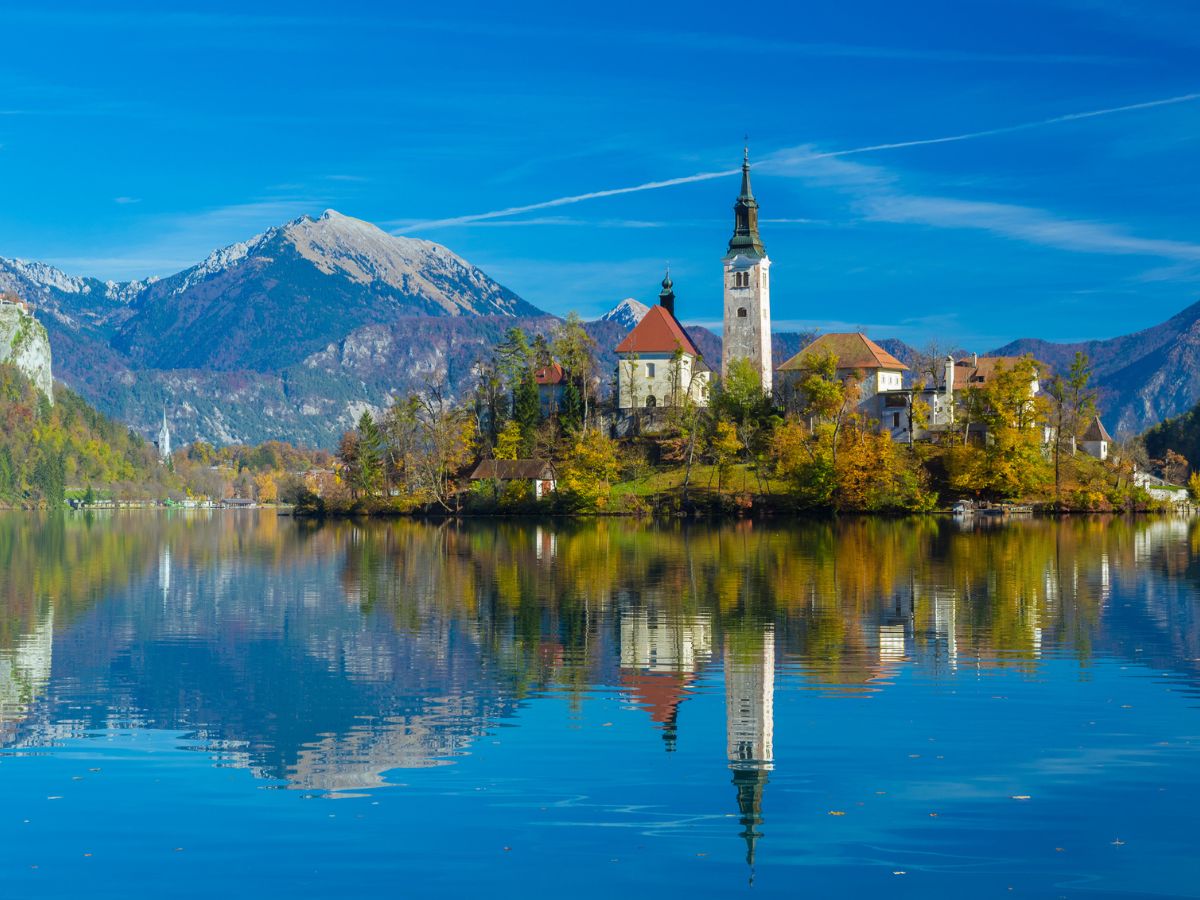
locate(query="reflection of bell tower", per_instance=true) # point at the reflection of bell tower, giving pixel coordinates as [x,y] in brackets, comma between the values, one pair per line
[750,725]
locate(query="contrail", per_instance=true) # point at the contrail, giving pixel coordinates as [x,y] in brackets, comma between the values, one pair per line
[725,173]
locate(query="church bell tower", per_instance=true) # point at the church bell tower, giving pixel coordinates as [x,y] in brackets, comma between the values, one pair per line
[747,289]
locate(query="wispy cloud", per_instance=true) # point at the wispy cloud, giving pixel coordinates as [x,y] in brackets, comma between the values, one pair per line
[781,160]
[562,201]
[1035,226]
[125,201]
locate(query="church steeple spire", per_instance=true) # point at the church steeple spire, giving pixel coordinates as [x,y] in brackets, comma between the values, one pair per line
[666,296]
[745,240]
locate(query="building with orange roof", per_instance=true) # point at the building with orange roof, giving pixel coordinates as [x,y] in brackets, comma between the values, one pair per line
[859,359]
[658,363]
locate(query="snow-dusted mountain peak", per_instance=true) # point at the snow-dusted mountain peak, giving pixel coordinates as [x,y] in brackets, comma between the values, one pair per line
[627,313]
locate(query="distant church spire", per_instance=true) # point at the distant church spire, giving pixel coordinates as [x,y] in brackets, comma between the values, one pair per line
[745,240]
[164,439]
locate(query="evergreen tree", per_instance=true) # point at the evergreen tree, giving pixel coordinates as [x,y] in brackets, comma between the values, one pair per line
[570,412]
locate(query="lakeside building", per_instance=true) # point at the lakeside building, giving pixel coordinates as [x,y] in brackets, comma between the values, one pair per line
[539,473]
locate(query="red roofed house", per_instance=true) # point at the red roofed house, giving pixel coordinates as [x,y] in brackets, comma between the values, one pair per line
[659,364]
[551,382]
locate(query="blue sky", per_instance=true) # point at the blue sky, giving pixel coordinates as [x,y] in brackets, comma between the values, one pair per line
[134,139]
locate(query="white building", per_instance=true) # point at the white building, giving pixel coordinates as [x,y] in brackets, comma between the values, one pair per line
[659,365]
[1096,441]
[747,333]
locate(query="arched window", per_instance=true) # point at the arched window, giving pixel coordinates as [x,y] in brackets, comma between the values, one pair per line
[741,312]
[651,402]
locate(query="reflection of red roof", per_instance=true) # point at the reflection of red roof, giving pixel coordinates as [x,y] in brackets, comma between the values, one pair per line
[658,332]
[551,374]
[853,351]
[659,692]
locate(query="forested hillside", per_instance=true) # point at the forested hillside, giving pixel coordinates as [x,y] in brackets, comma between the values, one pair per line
[46,450]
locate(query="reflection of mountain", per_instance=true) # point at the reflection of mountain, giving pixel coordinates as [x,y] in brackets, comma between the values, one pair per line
[307,686]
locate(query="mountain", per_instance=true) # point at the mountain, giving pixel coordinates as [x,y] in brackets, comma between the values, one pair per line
[1142,378]
[627,313]
[288,335]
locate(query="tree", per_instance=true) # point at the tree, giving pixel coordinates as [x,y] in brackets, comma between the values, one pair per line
[1011,463]
[362,454]
[724,449]
[508,444]
[1072,404]
[1174,467]
[265,488]
[575,350]
[446,439]
[589,469]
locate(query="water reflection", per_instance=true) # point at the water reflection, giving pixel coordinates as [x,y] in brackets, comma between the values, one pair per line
[324,658]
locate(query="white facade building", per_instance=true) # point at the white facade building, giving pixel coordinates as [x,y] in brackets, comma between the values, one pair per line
[658,365]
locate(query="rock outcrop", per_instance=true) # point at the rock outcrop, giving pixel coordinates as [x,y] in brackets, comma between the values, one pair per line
[25,344]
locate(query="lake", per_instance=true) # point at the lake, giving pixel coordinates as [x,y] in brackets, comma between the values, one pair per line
[229,704]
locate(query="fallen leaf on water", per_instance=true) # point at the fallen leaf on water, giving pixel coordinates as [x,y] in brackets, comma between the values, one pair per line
[606,725]
[837,812]
[1020,796]
[933,815]
[1118,843]
[899,872]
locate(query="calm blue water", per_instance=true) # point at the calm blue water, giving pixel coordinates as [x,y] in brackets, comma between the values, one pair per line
[236,705]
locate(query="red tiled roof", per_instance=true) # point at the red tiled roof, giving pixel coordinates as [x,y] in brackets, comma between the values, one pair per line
[658,332]
[853,351]
[551,374]
[977,372]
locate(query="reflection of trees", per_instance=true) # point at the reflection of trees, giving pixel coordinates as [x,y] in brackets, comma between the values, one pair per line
[848,598]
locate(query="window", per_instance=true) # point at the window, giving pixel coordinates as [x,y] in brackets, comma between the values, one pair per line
[895,420]
[651,402]
[741,312]
[741,279]
[649,370]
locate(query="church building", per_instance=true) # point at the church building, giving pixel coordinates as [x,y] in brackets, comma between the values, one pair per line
[659,364]
[747,289]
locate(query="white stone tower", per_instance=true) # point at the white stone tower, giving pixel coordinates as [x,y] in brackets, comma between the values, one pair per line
[164,439]
[747,289]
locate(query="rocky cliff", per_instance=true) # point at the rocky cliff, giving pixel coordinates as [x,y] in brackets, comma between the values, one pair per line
[25,344]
